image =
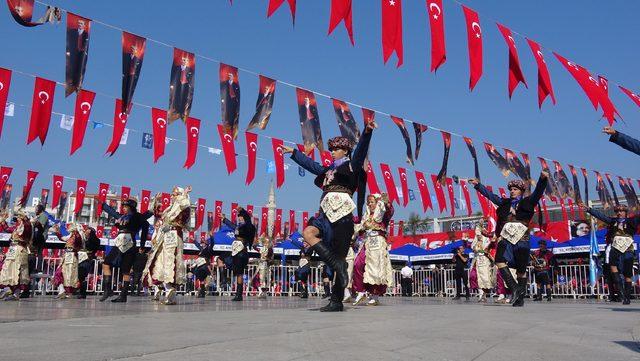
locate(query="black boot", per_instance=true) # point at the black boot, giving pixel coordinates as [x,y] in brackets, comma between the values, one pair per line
[327,290]
[548,294]
[203,291]
[611,285]
[538,296]
[627,293]
[238,296]
[106,288]
[620,286]
[339,266]
[82,292]
[507,277]
[335,303]
[25,293]
[522,287]
[305,292]
[123,293]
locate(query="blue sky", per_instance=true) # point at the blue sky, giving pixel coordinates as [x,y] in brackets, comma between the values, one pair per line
[599,36]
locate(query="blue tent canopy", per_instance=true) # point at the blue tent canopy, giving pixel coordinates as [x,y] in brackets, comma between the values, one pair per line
[406,253]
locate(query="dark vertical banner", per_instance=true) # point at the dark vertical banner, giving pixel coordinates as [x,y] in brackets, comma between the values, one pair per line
[78,29]
[399,122]
[603,192]
[564,187]
[552,187]
[6,196]
[633,193]
[368,116]
[181,84]
[446,140]
[516,166]
[346,121]
[497,159]
[133,49]
[229,98]
[527,167]
[576,185]
[586,185]
[629,195]
[613,189]
[309,120]
[264,104]
[419,129]
[22,13]
[44,196]
[210,221]
[474,155]
[63,204]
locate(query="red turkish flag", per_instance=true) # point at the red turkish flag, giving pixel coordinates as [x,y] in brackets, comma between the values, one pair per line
[391,227]
[228,147]
[125,193]
[503,192]
[424,191]
[635,97]
[311,154]
[165,200]
[400,228]
[217,215]
[252,152]
[442,203]
[565,217]
[81,190]
[389,183]
[119,124]
[58,180]
[436,21]
[279,160]
[113,232]
[234,212]
[305,219]
[326,157]
[368,116]
[392,30]
[31,177]
[292,221]
[572,209]
[604,83]
[545,210]
[263,221]
[201,206]
[371,180]
[544,79]
[250,209]
[145,198]
[275,4]
[101,197]
[159,125]
[467,196]
[99,231]
[193,134]
[5,173]
[452,198]
[515,72]
[404,185]
[84,103]
[341,10]
[277,226]
[591,87]
[474,42]
[41,108]
[5,82]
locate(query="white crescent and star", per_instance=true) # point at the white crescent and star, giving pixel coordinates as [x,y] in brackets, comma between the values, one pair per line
[228,138]
[122,117]
[194,131]
[475,25]
[85,107]
[422,182]
[80,189]
[253,146]
[387,174]
[1,85]
[279,150]
[540,56]
[573,65]
[161,122]
[433,7]
[145,200]
[46,96]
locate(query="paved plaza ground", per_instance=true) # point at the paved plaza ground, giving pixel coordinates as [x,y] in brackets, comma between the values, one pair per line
[285,329]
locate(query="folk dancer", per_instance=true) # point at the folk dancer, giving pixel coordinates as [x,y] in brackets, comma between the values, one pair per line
[245,233]
[74,242]
[543,260]
[203,269]
[483,260]
[14,275]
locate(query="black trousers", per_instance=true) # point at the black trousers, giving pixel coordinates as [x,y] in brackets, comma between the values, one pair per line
[462,278]
[342,231]
[407,285]
[515,255]
[137,281]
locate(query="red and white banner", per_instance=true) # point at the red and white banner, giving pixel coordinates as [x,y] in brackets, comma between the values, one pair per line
[234,213]
[81,191]
[165,200]
[292,221]
[251,139]
[452,198]
[58,181]
[103,189]
[279,160]
[544,79]
[436,21]
[467,196]
[404,186]
[305,219]
[119,124]
[424,191]
[201,207]
[515,72]
[217,217]
[5,82]
[84,104]
[193,134]
[31,177]
[159,126]
[442,203]
[41,107]
[145,200]
[633,96]
[341,11]
[474,43]
[326,158]
[371,180]
[389,183]
[277,225]
[392,30]
[228,148]
[263,221]
[5,173]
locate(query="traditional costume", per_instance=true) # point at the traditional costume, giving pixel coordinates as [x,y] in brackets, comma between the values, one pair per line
[334,225]
[245,233]
[202,268]
[302,274]
[165,266]
[15,269]
[514,216]
[86,258]
[483,262]
[266,255]
[372,271]
[543,260]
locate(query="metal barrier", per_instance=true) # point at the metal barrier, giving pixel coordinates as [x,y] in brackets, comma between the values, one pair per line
[568,281]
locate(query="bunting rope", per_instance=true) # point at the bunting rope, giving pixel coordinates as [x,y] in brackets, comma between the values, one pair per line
[213,60]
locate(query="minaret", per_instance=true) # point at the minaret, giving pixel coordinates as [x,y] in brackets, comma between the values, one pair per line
[271,215]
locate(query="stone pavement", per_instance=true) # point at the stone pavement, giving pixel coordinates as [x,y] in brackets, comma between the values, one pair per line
[285,329]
